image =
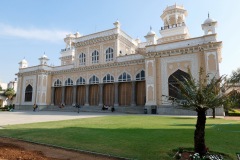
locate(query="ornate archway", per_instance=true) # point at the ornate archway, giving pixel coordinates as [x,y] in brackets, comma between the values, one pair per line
[173,84]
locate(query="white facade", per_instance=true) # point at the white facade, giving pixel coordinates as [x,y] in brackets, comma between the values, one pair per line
[144,67]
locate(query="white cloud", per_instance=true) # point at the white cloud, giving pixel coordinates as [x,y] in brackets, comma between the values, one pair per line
[51,35]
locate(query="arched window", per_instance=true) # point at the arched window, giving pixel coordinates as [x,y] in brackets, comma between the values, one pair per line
[95,57]
[93,80]
[57,83]
[173,84]
[108,79]
[124,77]
[80,81]
[28,93]
[68,82]
[140,76]
[109,54]
[82,59]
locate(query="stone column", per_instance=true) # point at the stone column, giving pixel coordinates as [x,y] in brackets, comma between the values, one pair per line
[133,93]
[87,91]
[74,95]
[52,95]
[100,94]
[116,94]
[63,95]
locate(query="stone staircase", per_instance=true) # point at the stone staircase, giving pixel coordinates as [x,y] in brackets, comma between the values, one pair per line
[119,109]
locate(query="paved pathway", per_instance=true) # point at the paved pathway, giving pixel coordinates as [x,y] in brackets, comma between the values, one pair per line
[22,117]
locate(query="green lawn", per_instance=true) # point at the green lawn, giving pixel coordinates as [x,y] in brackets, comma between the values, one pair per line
[132,136]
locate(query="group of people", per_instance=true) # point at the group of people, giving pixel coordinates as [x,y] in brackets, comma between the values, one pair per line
[108,107]
[105,107]
[61,105]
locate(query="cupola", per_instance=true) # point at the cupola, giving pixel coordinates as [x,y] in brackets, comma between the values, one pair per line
[43,59]
[23,63]
[209,26]
[151,37]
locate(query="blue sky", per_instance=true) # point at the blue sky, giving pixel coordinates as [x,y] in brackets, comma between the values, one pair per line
[28,28]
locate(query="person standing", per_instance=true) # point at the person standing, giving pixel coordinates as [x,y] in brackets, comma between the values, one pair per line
[34,107]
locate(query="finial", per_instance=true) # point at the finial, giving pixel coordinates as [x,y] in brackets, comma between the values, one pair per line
[150,28]
[208,14]
[44,53]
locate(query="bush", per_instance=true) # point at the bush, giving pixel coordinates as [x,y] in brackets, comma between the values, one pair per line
[234,112]
[7,107]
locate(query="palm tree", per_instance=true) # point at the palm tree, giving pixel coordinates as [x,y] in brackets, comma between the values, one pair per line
[235,76]
[200,96]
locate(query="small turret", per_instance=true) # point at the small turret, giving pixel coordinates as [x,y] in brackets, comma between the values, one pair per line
[117,24]
[23,63]
[43,60]
[209,26]
[151,37]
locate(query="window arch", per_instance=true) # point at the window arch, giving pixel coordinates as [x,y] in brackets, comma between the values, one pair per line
[80,81]
[28,93]
[95,57]
[140,76]
[68,82]
[57,83]
[109,54]
[82,59]
[108,79]
[124,77]
[93,80]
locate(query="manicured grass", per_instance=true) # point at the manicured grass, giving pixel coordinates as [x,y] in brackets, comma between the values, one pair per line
[132,136]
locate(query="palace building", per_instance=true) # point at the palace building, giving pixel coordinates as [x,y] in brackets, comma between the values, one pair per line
[113,69]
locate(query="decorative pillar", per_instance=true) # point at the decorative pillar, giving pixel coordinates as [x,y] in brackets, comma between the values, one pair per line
[52,96]
[87,91]
[100,94]
[116,94]
[133,93]
[63,95]
[74,95]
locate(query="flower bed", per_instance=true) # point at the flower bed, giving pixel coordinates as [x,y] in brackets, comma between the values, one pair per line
[188,154]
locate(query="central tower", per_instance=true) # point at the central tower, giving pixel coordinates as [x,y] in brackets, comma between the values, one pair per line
[174,24]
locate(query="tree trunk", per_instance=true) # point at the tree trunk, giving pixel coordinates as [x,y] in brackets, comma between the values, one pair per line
[199,134]
[213,113]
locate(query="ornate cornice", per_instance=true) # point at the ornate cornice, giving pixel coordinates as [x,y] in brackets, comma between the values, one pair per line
[96,40]
[36,72]
[185,50]
[101,66]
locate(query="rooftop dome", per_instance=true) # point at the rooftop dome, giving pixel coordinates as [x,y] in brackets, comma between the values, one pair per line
[44,56]
[209,20]
[151,32]
[23,61]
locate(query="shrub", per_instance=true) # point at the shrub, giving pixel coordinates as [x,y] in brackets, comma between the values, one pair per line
[234,112]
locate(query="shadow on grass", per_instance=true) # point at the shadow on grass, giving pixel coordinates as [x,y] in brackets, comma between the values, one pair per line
[180,117]
[189,125]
